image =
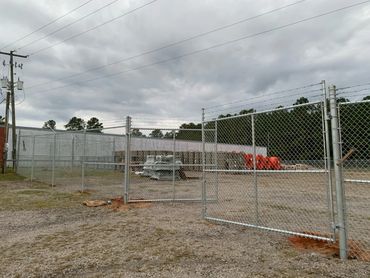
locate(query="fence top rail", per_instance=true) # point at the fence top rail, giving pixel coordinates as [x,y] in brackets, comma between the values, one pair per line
[172,129]
[49,132]
[354,102]
[264,111]
[264,171]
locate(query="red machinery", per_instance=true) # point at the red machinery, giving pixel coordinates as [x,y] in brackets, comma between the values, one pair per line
[262,162]
[248,158]
[275,163]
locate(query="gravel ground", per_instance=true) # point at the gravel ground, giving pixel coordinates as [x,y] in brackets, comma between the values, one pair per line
[66,239]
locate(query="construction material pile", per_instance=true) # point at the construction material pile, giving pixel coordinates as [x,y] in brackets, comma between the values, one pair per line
[162,167]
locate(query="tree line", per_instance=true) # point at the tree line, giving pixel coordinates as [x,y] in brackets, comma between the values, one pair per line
[291,134]
[93,124]
[298,133]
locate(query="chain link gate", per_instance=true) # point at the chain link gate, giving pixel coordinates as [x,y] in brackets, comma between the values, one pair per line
[280,180]
[355,135]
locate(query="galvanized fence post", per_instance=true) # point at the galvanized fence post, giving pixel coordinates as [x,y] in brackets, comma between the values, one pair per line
[173,166]
[53,162]
[341,212]
[327,158]
[127,160]
[216,160]
[17,151]
[33,158]
[83,162]
[114,150]
[255,169]
[73,152]
[204,197]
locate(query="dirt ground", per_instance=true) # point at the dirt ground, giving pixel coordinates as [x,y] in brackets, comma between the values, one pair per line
[46,232]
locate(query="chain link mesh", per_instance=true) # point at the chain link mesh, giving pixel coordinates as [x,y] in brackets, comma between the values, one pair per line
[73,161]
[278,179]
[269,170]
[355,136]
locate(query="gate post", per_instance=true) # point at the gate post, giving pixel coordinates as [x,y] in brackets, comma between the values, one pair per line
[127,160]
[341,223]
[33,158]
[204,201]
[18,150]
[73,152]
[216,158]
[327,158]
[173,165]
[83,162]
[53,161]
[255,170]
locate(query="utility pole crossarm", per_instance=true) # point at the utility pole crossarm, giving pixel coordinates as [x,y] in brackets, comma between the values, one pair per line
[14,55]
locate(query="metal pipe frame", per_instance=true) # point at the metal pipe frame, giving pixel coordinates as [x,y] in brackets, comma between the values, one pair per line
[127,160]
[327,161]
[171,129]
[83,163]
[255,170]
[357,181]
[53,162]
[17,151]
[33,158]
[104,163]
[265,171]
[73,152]
[216,159]
[269,229]
[196,164]
[170,200]
[340,194]
[137,165]
[353,102]
[204,190]
[173,166]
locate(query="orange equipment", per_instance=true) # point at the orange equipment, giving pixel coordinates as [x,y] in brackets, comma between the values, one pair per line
[262,162]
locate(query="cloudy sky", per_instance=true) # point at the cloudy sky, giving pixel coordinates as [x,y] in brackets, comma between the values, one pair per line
[154,87]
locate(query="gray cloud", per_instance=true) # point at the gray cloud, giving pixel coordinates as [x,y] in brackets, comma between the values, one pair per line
[331,48]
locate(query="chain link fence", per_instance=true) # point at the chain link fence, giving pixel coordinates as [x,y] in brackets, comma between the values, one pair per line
[73,161]
[279,179]
[301,170]
[355,138]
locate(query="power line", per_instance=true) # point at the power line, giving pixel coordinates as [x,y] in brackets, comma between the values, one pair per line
[353,86]
[260,103]
[169,45]
[93,28]
[213,46]
[48,24]
[257,97]
[69,24]
[353,91]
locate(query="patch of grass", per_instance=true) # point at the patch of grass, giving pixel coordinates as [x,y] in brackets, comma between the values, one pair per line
[32,191]
[11,176]
[38,198]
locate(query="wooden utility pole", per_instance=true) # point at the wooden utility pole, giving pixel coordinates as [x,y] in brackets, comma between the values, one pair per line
[12,100]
